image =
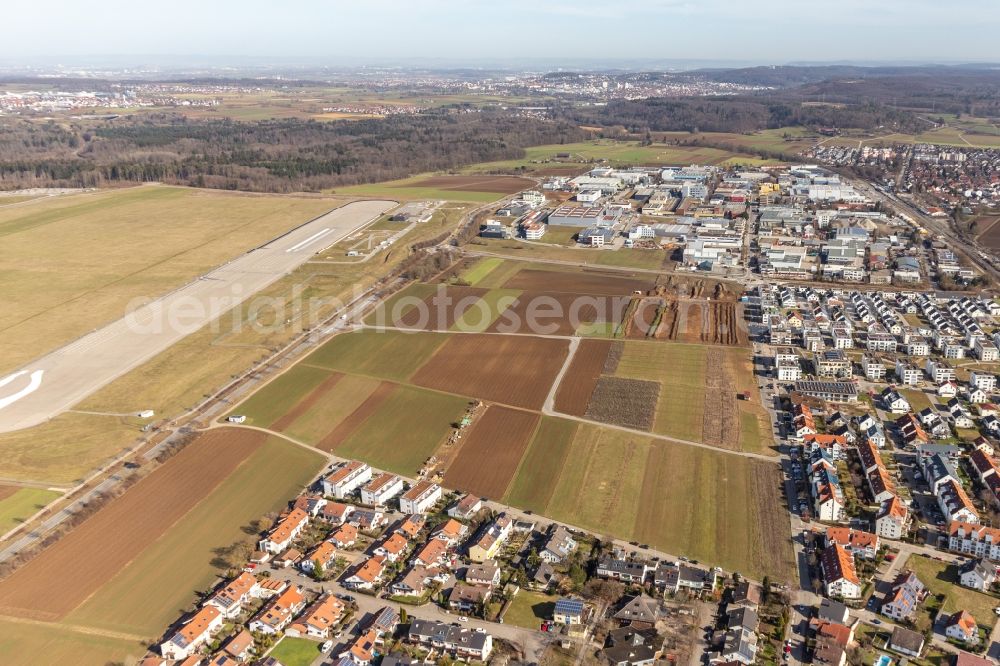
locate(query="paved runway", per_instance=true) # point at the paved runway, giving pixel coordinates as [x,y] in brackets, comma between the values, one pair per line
[54,383]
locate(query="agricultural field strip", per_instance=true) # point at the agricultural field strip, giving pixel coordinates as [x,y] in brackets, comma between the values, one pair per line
[75,371]
[551,411]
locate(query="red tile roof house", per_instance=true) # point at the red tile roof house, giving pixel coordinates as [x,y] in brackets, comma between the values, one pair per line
[234,595]
[279,613]
[240,646]
[367,576]
[345,536]
[324,555]
[195,633]
[284,533]
[392,547]
[962,627]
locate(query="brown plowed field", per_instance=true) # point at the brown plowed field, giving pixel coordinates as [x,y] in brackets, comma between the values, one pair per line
[555,313]
[439,311]
[307,402]
[7,491]
[512,370]
[706,322]
[499,184]
[65,574]
[578,383]
[492,451]
[643,318]
[344,429]
[585,282]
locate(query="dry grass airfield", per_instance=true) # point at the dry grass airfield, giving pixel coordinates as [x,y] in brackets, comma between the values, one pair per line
[50,385]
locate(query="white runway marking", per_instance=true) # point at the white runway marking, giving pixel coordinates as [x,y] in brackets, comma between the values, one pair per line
[33,384]
[301,244]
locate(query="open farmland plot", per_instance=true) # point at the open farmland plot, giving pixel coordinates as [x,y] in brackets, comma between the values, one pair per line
[512,370]
[331,408]
[498,184]
[156,586]
[490,453]
[560,313]
[589,282]
[403,430]
[19,504]
[21,643]
[578,383]
[480,269]
[732,513]
[386,354]
[481,316]
[626,402]
[65,574]
[541,465]
[265,407]
[440,311]
[396,306]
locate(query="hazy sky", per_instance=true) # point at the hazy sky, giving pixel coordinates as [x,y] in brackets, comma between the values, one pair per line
[753,30]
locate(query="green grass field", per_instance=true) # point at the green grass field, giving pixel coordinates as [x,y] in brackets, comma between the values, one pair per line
[156,238]
[399,304]
[623,258]
[479,270]
[405,431]
[405,188]
[23,504]
[716,507]
[30,644]
[386,354]
[332,408]
[481,316]
[154,588]
[272,402]
[542,462]
[559,235]
[679,367]
[942,578]
[295,651]
[529,609]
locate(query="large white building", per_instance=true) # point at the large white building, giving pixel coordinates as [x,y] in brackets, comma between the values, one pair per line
[421,497]
[346,478]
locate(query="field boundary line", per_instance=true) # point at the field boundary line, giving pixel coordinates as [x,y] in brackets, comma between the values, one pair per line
[550,399]
[76,628]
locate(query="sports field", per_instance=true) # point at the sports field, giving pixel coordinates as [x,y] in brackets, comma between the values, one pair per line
[18,504]
[156,238]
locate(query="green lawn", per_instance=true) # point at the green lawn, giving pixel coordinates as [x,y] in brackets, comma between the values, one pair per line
[386,354]
[478,271]
[623,258]
[152,591]
[24,644]
[405,430]
[918,399]
[533,483]
[942,578]
[23,504]
[272,402]
[557,234]
[529,609]
[295,651]
[481,316]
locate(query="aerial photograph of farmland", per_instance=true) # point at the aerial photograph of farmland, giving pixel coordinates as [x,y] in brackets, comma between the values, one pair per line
[387,333]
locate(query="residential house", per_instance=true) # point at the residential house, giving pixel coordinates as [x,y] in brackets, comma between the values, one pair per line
[240,647]
[977,574]
[467,598]
[450,531]
[344,536]
[420,498]
[486,574]
[906,641]
[367,575]
[641,611]
[903,598]
[234,595]
[322,556]
[839,573]
[346,478]
[962,627]
[433,553]
[461,642]
[381,489]
[892,520]
[466,508]
[285,532]
[319,620]
[194,634]
[628,646]
[279,612]
[392,547]
[857,542]
[627,571]
[568,611]
[490,540]
[558,546]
